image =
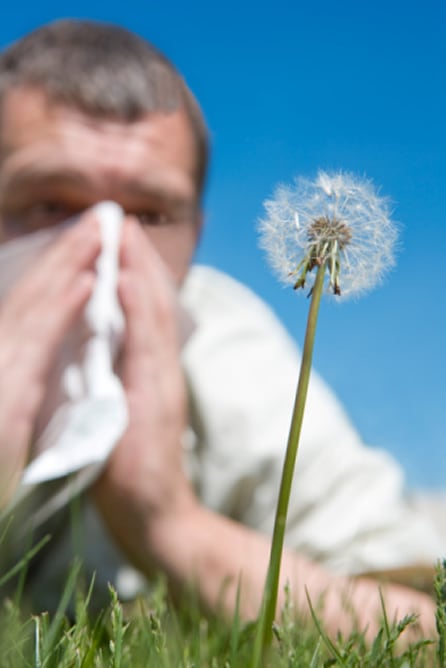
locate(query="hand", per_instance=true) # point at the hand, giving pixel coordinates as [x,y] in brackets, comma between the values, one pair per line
[143,483]
[357,603]
[34,318]
[399,601]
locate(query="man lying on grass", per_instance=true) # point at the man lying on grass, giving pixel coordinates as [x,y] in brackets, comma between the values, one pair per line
[90,112]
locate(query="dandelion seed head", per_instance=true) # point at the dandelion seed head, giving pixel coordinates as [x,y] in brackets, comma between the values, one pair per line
[337,218]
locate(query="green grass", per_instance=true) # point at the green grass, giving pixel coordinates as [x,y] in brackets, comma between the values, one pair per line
[154,632]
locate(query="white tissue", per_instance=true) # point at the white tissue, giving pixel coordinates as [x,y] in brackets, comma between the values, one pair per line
[93,417]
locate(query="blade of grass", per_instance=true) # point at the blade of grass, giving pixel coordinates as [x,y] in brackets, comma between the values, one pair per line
[23,562]
[51,638]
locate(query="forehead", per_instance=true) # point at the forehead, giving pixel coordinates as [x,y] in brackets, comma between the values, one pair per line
[39,136]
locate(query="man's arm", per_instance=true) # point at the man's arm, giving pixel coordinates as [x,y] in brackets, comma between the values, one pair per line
[148,504]
[219,558]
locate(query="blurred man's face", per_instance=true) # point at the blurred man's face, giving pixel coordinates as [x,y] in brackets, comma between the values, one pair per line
[56,161]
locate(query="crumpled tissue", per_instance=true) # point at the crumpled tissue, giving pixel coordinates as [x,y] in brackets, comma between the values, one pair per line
[84,413]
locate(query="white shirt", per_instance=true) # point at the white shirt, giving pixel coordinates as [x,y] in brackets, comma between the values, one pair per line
[349,508]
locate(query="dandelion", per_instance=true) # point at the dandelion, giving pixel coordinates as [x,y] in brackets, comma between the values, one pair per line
[334,231]
[338,220]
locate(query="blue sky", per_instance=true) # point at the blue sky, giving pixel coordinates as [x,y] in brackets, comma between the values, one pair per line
[291,87]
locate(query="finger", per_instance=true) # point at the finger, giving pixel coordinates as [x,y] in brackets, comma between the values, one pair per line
[39,311]
[42,327]
[149,304]
[139,253]
[152,295]
[50,295]
[55,270]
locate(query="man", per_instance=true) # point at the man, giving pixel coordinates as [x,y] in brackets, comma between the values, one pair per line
[92,113]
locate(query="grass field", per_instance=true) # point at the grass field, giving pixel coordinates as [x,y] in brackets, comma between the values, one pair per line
[154,632]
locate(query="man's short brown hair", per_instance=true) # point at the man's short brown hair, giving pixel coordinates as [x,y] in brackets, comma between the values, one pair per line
[105,71]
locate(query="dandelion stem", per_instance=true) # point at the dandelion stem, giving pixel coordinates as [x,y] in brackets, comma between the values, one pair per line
[268,609]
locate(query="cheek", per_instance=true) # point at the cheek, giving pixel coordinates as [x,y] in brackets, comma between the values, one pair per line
[176,245]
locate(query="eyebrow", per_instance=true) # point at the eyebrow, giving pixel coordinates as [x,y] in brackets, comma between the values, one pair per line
[30,176]
[28,179]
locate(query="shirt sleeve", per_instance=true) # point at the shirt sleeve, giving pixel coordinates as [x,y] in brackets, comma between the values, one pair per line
[349,508]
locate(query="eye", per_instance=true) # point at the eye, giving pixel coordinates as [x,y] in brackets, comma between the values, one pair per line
[152,218]
[48,213]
